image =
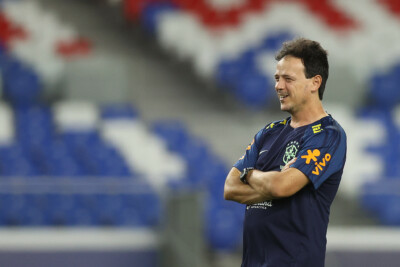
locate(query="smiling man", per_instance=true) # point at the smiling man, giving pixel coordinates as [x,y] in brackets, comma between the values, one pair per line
[290,173]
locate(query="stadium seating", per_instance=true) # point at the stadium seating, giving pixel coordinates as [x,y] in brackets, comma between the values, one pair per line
[40,40]
[66,145]
[217,38]
[235,46]
[205,171]
[59,147]
[383,89]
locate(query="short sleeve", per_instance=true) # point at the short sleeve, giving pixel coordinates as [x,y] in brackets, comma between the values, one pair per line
[322,155]
[250,156]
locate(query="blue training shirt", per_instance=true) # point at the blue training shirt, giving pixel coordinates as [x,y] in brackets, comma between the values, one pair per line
[292,231]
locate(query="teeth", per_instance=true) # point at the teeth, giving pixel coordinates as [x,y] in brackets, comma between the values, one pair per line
[282,96]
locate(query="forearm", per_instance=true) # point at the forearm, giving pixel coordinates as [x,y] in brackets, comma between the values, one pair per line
[264,183]
[236,191]
[273,184]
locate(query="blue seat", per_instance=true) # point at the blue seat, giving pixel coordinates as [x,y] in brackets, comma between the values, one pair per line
[145,207]
[381,199]
[34,137]
[131,217]
[2,47]
[13,208]
[149,207]
[60,208]
[78,139]
[223,230]
[389,150]
[248,58]
[216,173]
[9,64]
[12,152]
[15,160]
[63,167]
[373,196]
[253,89]
[115,167]
[18,167]
[80,211]
[127,214]
[228,71]
[396,71]
[390,211]
[150,15]
[208,173]
[34,216]
[173,132]
[100,159]
[83,217]
[273,42]
[384,90]
[194,150]
[22,86]
[110,207]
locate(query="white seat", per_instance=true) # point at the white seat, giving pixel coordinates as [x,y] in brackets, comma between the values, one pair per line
[76,116]
[7,130]
[361,166]
[168,29]
[144,152]
[222,5]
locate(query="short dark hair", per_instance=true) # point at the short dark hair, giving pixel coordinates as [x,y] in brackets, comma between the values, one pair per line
[313,56]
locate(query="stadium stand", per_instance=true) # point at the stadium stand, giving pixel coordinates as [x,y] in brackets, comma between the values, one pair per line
[221,40]
[44,142]
[233,46]
[61,145]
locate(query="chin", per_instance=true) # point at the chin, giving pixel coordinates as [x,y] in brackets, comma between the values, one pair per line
[284,108]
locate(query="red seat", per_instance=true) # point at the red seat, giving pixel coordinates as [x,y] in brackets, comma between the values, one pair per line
[330,14]
[80,46]
[392,5]
[216,18]
[8,31]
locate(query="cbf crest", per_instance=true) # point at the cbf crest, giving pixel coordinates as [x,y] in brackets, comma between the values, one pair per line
[291,151]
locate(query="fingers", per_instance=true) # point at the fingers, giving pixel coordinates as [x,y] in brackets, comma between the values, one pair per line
[287,166]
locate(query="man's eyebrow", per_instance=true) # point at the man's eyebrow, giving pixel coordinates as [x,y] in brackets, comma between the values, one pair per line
[284,76]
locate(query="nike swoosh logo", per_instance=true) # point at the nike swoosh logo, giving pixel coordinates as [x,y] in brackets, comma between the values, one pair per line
[262,151]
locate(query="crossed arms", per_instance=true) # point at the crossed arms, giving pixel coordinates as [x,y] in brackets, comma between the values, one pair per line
[263,186]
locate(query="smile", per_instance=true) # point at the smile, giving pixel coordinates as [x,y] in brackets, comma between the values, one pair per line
[282,96]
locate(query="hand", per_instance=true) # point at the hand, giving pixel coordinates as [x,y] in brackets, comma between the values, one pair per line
[287,166]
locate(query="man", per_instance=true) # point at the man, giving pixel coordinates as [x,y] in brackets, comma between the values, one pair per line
[291,172]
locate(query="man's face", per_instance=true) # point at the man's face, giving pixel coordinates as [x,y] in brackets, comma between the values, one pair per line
[291,84]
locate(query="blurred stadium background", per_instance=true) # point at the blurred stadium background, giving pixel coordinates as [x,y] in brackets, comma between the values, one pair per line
[120,119]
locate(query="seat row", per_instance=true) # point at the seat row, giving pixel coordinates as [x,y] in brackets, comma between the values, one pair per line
[40,39]
[215,38]
[73,209]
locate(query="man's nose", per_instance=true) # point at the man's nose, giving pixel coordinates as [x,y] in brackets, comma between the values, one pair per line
[279,85]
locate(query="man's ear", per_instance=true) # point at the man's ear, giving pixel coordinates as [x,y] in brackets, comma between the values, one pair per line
[316,82]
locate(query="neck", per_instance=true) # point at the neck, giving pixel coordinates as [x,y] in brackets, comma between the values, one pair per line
[307,116]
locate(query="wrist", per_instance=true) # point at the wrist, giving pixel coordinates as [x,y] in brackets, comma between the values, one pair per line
[245,174]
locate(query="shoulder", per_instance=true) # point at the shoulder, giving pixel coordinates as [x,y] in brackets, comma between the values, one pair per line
[326,129]
[270,128]
[326,125]
[275,125]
